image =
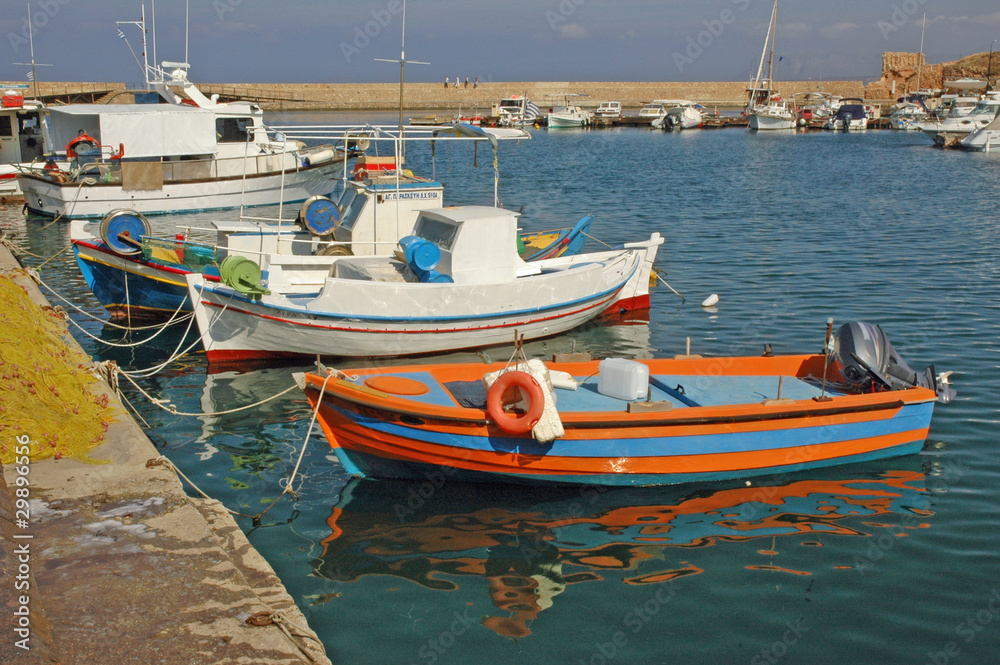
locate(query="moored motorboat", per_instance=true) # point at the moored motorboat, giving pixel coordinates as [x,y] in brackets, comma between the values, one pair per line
[189,153]
[681,114]
[950,131]
[147,279]
[621,422]
[472,294]
[851,115]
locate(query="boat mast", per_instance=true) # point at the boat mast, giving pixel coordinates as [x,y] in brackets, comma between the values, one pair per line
[763,54]
[773,34]
[920,58]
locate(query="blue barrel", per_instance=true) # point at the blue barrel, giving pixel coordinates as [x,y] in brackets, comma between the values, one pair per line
[422,255]
[434,277]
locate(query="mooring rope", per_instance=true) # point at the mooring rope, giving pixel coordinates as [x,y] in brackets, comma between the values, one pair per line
[38,279]
[653,272]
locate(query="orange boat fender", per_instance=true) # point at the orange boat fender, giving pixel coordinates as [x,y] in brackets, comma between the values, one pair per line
[530,388]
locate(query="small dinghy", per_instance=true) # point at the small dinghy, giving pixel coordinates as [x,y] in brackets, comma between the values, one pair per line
[622,422]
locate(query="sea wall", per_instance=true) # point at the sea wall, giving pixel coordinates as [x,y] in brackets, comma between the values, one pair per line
[426,96]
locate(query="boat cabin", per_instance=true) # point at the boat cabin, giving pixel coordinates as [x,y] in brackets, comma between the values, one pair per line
[609,110]
[23,132]
[652,110]
[382,208]
[478,243]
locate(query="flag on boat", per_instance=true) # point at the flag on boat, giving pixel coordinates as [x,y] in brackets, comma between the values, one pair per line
[31,76]
[531,111]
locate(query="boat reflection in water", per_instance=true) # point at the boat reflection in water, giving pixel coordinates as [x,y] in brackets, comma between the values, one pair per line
[530,543]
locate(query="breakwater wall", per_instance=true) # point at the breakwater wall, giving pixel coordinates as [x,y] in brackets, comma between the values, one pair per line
[428,96]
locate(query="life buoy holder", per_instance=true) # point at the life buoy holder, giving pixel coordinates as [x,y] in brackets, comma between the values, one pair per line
[82,137]
[530,388]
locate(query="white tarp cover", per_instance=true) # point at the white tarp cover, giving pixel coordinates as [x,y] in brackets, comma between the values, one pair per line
[146,131]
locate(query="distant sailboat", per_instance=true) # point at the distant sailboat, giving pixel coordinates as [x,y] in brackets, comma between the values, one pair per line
[765,109]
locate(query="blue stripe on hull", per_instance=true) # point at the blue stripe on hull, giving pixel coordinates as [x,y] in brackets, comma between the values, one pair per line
[366,465]
[784,435]
[108,285]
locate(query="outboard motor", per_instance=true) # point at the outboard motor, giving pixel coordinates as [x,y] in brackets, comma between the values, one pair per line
[867,360]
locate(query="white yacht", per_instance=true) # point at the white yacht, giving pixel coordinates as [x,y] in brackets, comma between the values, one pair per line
[984,139]
[953,129]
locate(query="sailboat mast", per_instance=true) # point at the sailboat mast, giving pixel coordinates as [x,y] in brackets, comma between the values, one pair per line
[772,34]
[920,58]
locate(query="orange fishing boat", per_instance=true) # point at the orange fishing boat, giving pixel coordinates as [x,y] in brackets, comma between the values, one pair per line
[621,422]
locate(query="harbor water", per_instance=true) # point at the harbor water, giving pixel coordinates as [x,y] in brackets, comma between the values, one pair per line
[895,561]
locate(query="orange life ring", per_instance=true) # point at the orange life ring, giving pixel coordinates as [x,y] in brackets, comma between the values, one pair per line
[536,402]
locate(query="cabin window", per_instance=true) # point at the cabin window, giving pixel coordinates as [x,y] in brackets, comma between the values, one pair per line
[232,130]
[5,127]
[440,233]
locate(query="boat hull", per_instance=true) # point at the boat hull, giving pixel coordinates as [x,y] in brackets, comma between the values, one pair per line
[385,436]
[46,198]
[351,318]
[136,287]
[761,122]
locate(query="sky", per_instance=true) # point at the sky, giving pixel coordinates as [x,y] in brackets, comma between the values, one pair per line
[335,41]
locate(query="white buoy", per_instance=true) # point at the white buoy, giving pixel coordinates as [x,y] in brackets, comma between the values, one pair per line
[711,301]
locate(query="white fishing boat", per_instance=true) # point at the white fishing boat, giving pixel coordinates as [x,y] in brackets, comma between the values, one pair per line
[516,111]
[766,110]
[569,116]
[456,283]
[953,129]
[609,110]
[681,114]
[24,138]
[190,153]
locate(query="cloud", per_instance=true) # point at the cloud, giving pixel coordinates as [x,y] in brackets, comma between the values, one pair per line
[838,30]
[993,18]
[786,28]
[573,31]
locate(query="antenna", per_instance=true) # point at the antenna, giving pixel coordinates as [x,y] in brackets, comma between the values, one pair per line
[156,62]
[144,65]
[187,24]
[33,64]
[402,65]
